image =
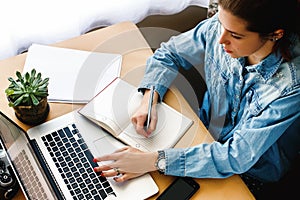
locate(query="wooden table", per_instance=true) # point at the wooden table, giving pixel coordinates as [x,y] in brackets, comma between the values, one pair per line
[126,39]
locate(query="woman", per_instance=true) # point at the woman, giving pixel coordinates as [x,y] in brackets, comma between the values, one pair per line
[250,51]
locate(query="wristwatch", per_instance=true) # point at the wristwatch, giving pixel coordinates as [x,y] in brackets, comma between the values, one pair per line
[160,163]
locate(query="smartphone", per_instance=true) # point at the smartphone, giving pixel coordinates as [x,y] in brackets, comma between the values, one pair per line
[182,188]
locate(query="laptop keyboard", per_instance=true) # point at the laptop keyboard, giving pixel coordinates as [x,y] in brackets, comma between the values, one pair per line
[75,164]
[29,177]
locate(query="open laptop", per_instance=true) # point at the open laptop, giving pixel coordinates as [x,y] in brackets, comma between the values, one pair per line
[66,171]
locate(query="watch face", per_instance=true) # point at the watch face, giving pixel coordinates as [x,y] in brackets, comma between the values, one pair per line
[161,164]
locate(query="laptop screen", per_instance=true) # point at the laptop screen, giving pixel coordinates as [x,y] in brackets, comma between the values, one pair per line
[21,157]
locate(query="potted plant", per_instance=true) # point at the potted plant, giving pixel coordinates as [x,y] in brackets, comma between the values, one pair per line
[28,96]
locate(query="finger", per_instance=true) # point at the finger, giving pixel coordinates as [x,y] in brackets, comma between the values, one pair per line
[153,122]
[121,149]
[120,179]
[110,173]
[126,176]
[152,126]
[134,121]
[139,123]
[102,168]
[107,157]
[140,129]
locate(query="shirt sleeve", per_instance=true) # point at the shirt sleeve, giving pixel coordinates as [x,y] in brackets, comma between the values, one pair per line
[250,139]
[184,50]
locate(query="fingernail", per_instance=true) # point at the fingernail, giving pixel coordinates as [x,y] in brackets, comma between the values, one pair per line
[94,160]
[101,174]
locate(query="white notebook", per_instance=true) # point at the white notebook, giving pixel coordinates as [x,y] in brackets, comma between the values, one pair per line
[113,107]
[76,76]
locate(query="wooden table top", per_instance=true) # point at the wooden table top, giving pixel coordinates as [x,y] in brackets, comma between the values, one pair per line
[126,39]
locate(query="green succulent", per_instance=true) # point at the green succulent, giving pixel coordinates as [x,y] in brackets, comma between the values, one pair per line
[27,90]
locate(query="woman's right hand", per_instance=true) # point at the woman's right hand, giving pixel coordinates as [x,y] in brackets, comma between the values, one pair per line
[139,118]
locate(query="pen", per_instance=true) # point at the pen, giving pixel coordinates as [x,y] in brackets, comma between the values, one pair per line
[150,106]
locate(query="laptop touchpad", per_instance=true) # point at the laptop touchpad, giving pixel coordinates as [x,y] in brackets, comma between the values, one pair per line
[106,145]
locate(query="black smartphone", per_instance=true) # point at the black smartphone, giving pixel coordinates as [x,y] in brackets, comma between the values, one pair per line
[182,188]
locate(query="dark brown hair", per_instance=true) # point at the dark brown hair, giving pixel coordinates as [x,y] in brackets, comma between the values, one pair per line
[267,16]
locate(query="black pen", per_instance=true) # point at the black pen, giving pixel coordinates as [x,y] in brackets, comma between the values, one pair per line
[150,106]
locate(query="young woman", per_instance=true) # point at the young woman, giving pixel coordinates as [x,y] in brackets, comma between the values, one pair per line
[250,52]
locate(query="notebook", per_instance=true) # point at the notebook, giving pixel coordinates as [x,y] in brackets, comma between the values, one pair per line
[76,76]
[113,107]
[47,171]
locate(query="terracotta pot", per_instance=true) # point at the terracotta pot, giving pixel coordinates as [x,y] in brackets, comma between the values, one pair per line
[33,115]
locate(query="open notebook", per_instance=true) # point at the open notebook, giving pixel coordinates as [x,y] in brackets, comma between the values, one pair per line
[113,107]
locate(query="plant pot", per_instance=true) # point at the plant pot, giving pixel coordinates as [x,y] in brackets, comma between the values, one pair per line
[33,115]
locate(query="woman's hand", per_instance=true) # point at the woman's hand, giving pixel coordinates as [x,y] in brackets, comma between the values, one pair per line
[126,163]
[139,118]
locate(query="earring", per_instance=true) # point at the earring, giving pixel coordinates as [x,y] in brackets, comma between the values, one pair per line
[274,39]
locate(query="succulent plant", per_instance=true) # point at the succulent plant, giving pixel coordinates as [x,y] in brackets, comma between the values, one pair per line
[27,90]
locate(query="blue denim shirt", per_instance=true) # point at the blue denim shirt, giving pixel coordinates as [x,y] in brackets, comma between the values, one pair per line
[246,108]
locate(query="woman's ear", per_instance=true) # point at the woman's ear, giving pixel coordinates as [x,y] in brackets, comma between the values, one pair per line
[277,35]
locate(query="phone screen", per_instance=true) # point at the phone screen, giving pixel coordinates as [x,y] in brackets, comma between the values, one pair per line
[180,189]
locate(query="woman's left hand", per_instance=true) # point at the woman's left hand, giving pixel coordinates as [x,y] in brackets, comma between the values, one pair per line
[126,163]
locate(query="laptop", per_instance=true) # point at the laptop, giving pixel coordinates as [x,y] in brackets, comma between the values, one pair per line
[58,155]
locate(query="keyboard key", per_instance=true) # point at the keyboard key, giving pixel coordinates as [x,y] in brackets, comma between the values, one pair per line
[49,138]
[61,133]
[68,132]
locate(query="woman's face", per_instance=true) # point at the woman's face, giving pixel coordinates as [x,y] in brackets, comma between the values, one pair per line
[237,41]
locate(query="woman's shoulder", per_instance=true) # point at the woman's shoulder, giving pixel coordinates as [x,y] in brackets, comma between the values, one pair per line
[295,47]
[209,31]
[213,22]
[208,25]
[284,83]
[294,64]
[287,76]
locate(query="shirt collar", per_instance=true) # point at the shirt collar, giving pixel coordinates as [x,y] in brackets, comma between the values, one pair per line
[267,67]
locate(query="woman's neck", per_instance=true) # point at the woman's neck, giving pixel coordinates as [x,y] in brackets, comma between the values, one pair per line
[261,53]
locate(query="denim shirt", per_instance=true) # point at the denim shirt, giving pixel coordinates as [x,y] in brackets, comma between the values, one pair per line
[246,108]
